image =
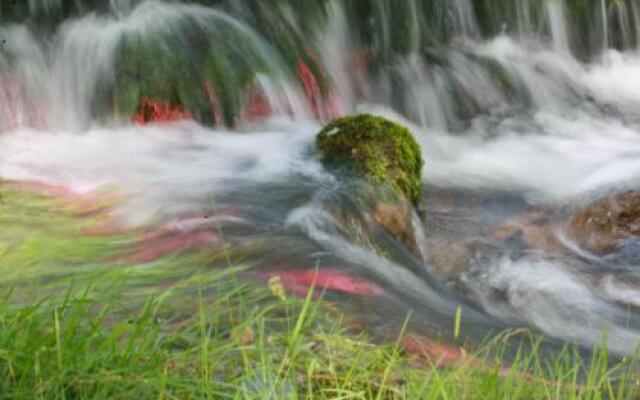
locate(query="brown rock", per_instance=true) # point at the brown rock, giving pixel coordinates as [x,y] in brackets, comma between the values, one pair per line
[396,220]
[599,226]
[533,227]
[448,257]
[394,216]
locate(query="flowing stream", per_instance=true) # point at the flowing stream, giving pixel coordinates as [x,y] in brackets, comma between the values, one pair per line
[517,105]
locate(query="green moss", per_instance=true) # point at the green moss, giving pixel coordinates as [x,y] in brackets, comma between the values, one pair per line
[382,151]
[206,69]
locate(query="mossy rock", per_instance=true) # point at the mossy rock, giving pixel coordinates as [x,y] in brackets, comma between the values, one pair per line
[381,151]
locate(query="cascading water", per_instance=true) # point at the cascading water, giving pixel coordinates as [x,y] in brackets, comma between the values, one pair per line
[518,105]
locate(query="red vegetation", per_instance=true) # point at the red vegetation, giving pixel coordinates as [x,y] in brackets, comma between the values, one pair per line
[426,350]
[17,108]
[300,281]
[322,106]
[155,111]
[165,246]
[311,88]
[176,235]
[214,103]
[257,106]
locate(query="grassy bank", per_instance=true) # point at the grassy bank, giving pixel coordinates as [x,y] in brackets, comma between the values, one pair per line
[76,322]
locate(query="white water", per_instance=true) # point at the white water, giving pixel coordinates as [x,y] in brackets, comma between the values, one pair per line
[549,295]
[165,170]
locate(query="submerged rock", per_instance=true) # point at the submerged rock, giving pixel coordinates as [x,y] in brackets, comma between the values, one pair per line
[601,226]
[386,156]
[533,228]
[396,219]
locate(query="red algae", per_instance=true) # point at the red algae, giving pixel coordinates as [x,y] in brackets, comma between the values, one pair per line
[17,109]
[300,281]
[156,111]
[257,106]
[159,248]
[428,350]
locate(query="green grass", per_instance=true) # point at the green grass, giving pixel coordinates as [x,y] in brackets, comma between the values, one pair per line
[189,326]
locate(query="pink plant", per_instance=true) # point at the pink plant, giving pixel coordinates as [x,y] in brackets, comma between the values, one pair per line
[156,111]
[300,281]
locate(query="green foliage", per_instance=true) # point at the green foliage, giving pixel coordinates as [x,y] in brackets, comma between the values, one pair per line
[293,40]
[375,148]
[206,64]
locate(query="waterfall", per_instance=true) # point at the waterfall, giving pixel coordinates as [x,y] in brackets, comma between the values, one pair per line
[557,21]
[294,65]
[605,26]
